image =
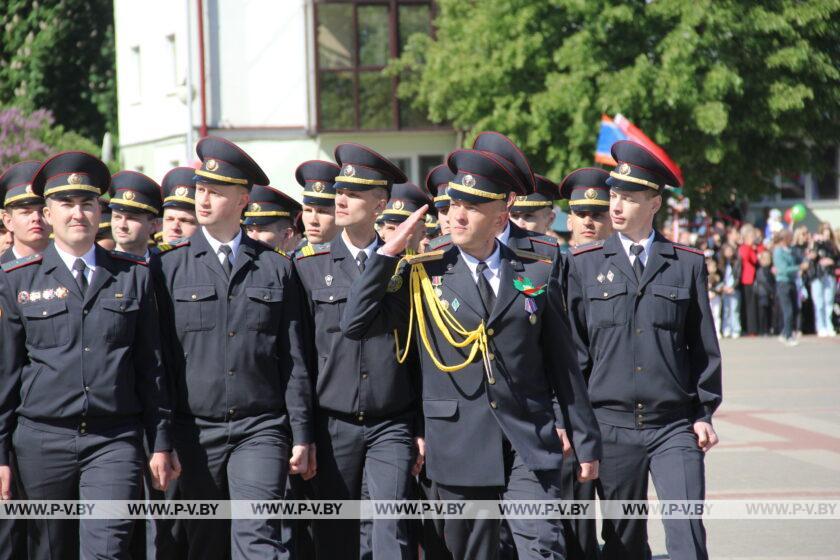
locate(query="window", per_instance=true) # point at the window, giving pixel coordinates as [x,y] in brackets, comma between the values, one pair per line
[135,74]
[826,183]
[426,164]
[355,41]
[171,63]
[792,187]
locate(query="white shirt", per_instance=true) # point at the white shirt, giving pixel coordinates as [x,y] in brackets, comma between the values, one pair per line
[505,235]
[89,258]
[626,242]
[15,253]
[356,250]
[215,244]
[493,273]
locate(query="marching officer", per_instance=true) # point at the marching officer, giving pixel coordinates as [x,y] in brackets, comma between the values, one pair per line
[233,344]
[366,400]
[135,205]
[22,213]
[589,200]
[270,218]
[179,221]
[318,214]
[437,181]
[80,369]
[510,363]
[105,236]
[588,194]
[646,343]
[534,212]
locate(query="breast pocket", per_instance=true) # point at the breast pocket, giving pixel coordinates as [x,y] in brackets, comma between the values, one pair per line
[265,308]
[194,308]
[607,307]
[329,304]
[670,305]
[47,324]
[119,319]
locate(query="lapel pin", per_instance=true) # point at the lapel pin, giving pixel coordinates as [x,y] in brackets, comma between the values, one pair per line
[610,275]
[455,304]
[600,278]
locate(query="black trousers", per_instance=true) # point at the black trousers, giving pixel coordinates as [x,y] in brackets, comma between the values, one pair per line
[749,302]
[671,455]
[581,534]
[533,538]
[786,294]
[65,463]
[13,531]
[381,451]
[239,459]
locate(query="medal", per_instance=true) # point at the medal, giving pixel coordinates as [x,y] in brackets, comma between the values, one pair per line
[532,318]
[34,296]
[600,278]
[395,283]
[437,281]
[445,304]
[23,297]
[438,292]
[610,275]
[328,279]
[48,294]
[61,292]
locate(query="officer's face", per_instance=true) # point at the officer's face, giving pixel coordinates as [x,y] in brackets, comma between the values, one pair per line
[319,223]
[588,226]
[131,229]
[6,238]
[358,207]
[538,220]
[276,235]
[418,234]
[443,220]
[633,211]
[473,225]
[27,223]
[216,204]
[75,219]
[178,224]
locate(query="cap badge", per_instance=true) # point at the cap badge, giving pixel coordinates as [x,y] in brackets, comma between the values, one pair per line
[521,198]
[255,208]
[591,194]
[74,179]
[398,205]
[28,189]
[128,195]
[318,186]
[349,171]
[624,169]
[181,191]
[468,181]
[211,165]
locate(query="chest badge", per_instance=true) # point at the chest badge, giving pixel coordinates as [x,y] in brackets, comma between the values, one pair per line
[610,275]
[328,279]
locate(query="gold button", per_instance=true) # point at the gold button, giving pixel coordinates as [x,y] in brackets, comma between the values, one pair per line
[83,431]
[493,404]
[638,368]
[490,332]
[84,425]
[492,381]
[640,406]
[231,411]
[491,356]
[640,417]
[364,376]
[361,416]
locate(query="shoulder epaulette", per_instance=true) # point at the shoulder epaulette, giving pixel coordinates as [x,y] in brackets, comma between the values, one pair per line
[439,242]
[689,249]
[23,261]
[545,239]
[120,255]
[531,255]
[281,252]
[424,257]
[164,247]
[585,248]
[310,250]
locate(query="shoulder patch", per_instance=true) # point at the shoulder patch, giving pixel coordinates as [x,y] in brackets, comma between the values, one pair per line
[545,239]
[424,257]
[164,247]
[439,242]
[23,261]
[689,249]
[128,257]
[585,248]
[310,250]
[531,255]
[281,252]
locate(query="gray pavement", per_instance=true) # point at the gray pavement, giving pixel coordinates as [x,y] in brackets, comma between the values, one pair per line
[780,439]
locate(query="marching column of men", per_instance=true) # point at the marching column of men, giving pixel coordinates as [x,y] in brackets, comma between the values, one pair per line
[461,353]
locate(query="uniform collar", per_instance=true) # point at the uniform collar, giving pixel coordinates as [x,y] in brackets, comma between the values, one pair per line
[215,244]
[89,258]
[626,242]
[354,251]
[494,261]
[504,236]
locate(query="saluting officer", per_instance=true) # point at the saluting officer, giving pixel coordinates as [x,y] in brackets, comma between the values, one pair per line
[179,221]
[231,319]
[81,369]
[647,345]
[366,401]
[492,424]
[318,214]
[405,199]
[534,212]
[270,218]
[22,215]
[588,194]
[135,205]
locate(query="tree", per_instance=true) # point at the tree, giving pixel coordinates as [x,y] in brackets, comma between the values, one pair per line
[59,54]
[735,92]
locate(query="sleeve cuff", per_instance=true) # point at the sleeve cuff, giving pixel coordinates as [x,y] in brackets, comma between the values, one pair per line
[302,435]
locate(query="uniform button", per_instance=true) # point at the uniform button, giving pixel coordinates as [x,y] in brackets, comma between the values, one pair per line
[492,381]
[638,331]
[265,297]
[638,368]
[84,424]
[85,312]
[491,356]
[640,406]
[230,372]
[490,332]
[230,298]
[194,296]
[122,307]
[87,348]
[232,333]
[364,376]
[606,294]
[331,298]
[87,389]
[231,411]
[639,293]
[44,313]
[83,431]
[361,416]
[493,404]
[640,417]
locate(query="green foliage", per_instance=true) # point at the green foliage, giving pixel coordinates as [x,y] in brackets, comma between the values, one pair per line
[734,91]
[59,54]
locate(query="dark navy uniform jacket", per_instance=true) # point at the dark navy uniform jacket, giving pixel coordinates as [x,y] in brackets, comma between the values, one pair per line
[69,359]
[7,256]
[357,377]
[466,416]
[649,350]
[236,350]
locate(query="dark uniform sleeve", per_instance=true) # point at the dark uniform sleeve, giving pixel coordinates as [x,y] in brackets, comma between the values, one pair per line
[371,310]
[565,376]
[12,355]
[576,306]
[293,356]
[704,349]
[151,379]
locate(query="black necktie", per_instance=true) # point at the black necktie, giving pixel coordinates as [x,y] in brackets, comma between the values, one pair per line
[360,261]
[638,266]
[227,265]
[79,267]
[485,290]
